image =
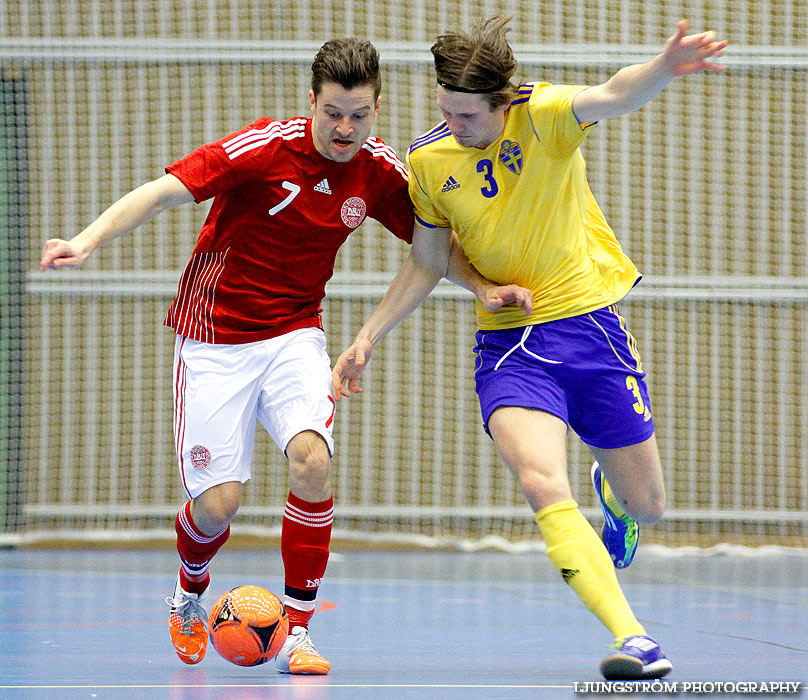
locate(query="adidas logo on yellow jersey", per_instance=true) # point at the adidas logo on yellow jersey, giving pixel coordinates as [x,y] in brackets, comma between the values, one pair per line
[450,184]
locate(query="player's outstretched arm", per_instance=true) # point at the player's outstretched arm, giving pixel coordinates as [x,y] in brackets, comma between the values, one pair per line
[634,86]
[129,212]
[427,263]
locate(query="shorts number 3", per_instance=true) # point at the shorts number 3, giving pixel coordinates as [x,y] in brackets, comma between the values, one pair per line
[634,388]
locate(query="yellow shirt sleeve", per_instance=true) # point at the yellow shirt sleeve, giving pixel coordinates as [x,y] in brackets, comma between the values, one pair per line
[553,120]
[426,212]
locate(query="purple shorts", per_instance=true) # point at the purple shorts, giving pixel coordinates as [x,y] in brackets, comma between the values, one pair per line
[585,370]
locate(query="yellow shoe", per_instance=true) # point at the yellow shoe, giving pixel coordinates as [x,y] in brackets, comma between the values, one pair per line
[188,626]
[299,656]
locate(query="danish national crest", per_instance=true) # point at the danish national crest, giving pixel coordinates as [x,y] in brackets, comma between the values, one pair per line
[511,155]
[353,212]
[200,457]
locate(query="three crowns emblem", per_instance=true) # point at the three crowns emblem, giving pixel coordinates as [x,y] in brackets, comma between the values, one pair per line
[511,155]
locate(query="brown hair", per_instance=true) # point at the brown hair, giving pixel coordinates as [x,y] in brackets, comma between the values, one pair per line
[349,63]
[480,60]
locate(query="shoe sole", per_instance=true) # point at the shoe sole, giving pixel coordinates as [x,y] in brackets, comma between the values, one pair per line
[622,667]
[189,659]
[312,670]
[303,669]
[185,657]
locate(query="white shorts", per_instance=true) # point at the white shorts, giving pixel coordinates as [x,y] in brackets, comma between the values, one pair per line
[220,391]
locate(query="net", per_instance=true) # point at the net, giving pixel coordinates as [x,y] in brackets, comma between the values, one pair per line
[705,187]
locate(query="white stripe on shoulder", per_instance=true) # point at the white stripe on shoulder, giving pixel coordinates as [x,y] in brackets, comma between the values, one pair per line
[255,138]
[258,132]
[379,149]
[377,146]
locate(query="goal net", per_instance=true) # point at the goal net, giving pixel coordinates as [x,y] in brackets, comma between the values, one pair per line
[705,187]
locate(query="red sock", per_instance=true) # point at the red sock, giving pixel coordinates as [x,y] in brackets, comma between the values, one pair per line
[305,539]
[298,618]
[196,550]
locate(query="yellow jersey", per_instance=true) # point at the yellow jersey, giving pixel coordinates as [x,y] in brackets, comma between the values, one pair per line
[523,210]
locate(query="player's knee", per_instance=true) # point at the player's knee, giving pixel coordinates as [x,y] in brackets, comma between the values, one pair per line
[309,464]
[221,515]
[215,509]
[655,510]
[542,489]
[309,473]
[648,510]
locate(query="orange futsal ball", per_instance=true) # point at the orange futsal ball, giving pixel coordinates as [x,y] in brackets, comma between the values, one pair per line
[248,625]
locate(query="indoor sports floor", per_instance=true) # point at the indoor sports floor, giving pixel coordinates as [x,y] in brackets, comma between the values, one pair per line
[397,625]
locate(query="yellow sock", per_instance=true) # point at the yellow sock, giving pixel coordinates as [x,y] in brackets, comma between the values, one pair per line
[577,552]
[609,497]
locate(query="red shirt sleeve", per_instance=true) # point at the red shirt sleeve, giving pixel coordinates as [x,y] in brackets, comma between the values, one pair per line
[210,170]
[393,207]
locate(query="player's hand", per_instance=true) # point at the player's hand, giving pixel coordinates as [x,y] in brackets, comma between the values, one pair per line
[688,54]
[59,254]
[348,367]
[508,295]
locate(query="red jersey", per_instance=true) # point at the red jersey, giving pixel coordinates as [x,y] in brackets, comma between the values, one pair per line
[280,212]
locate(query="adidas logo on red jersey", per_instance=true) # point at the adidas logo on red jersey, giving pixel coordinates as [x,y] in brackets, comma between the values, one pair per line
[322,186]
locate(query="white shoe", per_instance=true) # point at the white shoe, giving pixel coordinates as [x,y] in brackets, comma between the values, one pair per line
[299,656]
